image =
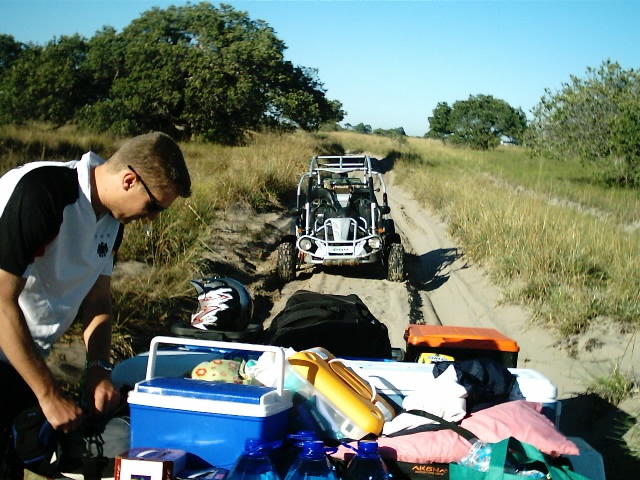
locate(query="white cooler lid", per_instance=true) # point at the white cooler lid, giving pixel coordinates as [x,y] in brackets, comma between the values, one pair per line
[209,397]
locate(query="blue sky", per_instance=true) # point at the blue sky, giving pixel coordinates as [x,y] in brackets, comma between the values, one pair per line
[391,62]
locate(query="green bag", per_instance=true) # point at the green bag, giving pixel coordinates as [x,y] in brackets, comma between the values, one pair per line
[511,451]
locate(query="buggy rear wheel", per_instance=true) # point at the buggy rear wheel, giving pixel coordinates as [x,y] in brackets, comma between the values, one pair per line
[395,263]
[286,266]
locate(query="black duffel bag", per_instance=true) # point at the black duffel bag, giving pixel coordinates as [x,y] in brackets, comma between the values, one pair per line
[342,324]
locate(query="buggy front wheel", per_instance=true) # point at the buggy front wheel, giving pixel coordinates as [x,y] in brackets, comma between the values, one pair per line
[395,263]
[286,266]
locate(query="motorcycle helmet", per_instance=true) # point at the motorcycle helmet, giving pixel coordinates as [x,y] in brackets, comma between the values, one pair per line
[223,304]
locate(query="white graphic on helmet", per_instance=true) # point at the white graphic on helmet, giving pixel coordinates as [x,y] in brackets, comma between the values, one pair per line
[211,303]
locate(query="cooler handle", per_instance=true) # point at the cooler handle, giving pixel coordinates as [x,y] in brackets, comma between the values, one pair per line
[215,344]
[357,382]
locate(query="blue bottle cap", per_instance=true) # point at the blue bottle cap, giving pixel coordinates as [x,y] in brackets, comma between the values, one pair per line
[303,436]
[257,445]
[368,447]
[313,448]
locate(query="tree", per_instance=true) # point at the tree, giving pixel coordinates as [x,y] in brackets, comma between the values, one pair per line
[397,132]
[439,127]
[46,83]
[595,119]
[299,100]
[208,72]
[191,71]
[482,120]
[9,51]
[362,128]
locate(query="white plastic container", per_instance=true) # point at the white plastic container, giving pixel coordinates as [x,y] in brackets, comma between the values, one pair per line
[394,380]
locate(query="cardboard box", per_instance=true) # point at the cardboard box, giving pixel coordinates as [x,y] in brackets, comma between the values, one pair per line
[462,343]
[149,464]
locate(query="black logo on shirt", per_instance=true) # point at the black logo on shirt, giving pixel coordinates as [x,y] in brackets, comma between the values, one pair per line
[103,249]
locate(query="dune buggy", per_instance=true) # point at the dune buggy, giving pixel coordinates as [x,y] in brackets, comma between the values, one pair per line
[340,220]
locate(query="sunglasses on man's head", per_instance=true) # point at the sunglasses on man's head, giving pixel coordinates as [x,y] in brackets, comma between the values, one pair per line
[154,205]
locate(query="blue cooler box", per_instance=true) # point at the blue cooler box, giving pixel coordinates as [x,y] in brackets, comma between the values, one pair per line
[208,419]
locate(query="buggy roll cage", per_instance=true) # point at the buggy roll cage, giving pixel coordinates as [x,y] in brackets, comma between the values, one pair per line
[341,165]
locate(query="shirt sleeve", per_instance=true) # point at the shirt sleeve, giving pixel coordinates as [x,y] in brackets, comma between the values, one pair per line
[32,216]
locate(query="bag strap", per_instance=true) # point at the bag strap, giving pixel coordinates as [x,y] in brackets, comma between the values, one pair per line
[442,423]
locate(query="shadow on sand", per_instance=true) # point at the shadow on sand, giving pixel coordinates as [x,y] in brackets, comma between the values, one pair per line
[603,426]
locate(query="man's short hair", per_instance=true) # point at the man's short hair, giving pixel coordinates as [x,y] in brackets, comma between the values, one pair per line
[158,159]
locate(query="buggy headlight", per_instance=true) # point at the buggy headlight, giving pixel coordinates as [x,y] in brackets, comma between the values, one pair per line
[375,242]
[305,244]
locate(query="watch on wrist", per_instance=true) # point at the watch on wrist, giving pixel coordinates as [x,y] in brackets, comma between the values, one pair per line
[103,364]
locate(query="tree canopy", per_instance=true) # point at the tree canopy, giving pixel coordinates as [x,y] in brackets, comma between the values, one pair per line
[192,71]
[478,122]
[9,51]
[439,123]
[595,119]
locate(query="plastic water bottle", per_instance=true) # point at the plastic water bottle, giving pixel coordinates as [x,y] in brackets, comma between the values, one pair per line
[367,464]
[312,463]
[302,436]
[479,457]
[289,455]
[254,463]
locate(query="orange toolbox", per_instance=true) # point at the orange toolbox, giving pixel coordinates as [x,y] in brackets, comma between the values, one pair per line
[461,343]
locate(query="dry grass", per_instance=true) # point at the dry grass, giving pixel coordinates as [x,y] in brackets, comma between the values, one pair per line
[571,266]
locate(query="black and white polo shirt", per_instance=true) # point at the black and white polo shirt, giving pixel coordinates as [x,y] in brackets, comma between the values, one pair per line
[50,235]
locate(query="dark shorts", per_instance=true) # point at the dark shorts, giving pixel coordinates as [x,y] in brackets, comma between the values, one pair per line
[15,397]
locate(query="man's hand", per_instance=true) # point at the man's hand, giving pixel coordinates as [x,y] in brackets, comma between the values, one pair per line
[102,396]
[62,413]
[20,349]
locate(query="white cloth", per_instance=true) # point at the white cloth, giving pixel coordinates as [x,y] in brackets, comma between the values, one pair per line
[443,396]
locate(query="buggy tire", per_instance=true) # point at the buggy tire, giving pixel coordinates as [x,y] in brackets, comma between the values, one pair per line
[286,266]
[395,263]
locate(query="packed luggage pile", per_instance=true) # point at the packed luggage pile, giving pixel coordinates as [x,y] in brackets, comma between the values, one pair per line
[452,405]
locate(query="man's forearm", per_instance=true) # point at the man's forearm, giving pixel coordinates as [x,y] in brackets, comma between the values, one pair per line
[96,318]
[20,350]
